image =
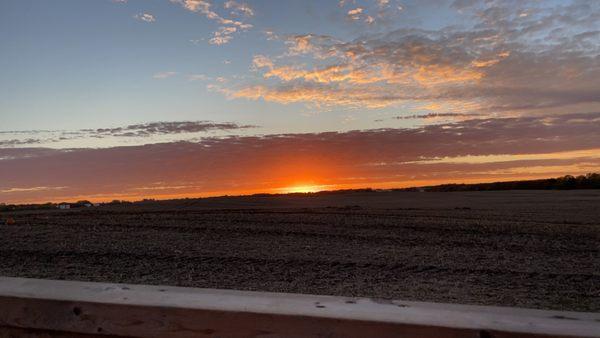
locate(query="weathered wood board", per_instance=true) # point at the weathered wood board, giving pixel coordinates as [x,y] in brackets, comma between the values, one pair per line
[34,308]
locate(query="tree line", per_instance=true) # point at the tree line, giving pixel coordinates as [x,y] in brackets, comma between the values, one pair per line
[568,182]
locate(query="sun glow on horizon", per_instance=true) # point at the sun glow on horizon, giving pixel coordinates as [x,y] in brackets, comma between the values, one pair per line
[304,188]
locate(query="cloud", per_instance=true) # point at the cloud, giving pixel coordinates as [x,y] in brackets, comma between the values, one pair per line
[146,17]
[163,75]
[436,116]
[358,13]
[261,61]
[371,11]
[476,149]
[504,63]
[166,128]
[383,3]
[316,93]
[198,77]
[223,35]
[239,8]
[31,189]
[144,132]
[228,26]
[270,35]
[354,13]
[312,44]
[19,142]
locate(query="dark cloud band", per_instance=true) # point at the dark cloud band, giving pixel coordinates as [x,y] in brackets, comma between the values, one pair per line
[356,157]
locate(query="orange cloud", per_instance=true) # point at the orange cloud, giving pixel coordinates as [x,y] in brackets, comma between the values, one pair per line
[429,76]
[498,68]
[319,95]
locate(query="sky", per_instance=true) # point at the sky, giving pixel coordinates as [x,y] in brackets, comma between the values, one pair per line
[131,99]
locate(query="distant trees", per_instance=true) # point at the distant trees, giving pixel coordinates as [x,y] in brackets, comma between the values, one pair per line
[46,206]
[18,207]
[589,181]
[568,182]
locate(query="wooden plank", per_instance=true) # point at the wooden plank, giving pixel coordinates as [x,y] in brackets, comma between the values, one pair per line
[83,308]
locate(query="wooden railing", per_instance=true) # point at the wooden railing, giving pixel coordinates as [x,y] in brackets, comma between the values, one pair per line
[33,307]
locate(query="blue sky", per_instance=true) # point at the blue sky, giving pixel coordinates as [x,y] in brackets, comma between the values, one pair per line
[91,64]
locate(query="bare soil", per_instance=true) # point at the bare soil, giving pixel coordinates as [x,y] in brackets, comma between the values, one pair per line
[536,249]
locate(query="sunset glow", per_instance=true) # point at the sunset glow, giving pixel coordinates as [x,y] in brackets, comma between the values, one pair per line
[134,99]
[304,188]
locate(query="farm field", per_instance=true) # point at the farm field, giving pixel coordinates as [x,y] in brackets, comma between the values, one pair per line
[535,249]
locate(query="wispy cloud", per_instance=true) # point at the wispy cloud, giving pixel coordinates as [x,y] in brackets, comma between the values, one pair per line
[239,8]
[223,35]
[166,128]
[355,13]
[198,77]
[228,26]
[146,17]
[31,189]
[371,11]
[430,116]
[148,131]
[383,3]
[19,142]
[163,75]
